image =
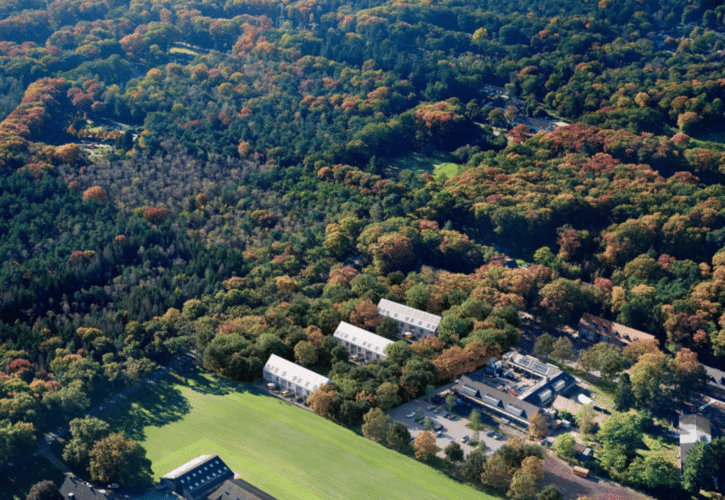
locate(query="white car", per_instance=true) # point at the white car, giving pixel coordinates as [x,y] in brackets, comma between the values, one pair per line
[411,414]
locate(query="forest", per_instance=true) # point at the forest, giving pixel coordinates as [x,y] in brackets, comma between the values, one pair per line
[230,178]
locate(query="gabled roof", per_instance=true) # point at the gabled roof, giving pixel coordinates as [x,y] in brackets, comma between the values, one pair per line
[238,489]
[614,330]
[494,398]
[362,338]
[715,376]
[295,373]
[80,490]
[200,475]
[693,428]
[400,312]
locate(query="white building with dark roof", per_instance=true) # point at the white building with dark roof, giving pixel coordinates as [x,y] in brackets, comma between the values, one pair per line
[196,479]
[693,428]
[413,322]
[361,342]
[291,376]
[501,403]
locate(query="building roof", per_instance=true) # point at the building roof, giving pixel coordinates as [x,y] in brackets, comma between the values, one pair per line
[532,364]
[693,428]
[362,338]
[238,489]
[542,392]
[295,373]
[400,312]
[80,489]
[566,404]
[715,376]
[614,330]
[200,475]
[493,398]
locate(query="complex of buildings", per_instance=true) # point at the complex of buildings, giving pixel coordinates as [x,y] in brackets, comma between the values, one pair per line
[361,342]
[292,377]
[412,322]
[598,329]
[207,477]
[552,380]
[693,428]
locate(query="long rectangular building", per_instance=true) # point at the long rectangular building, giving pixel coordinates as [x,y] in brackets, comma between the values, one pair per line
[417,323]
[293,377]
[361,342]
[602,330]
[499,402]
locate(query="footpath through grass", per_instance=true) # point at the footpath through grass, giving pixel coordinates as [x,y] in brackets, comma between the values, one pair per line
[282,449]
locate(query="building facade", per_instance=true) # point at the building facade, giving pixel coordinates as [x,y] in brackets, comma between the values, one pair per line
[412,322]
[361,342]
[489,398]
[293,377]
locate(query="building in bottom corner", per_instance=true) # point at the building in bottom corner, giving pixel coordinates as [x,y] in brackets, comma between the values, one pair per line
[293,377]
[238,489]
[77,489]
[196,479]
[693,428]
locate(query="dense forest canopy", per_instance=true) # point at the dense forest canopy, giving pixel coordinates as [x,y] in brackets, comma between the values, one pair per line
[235,178]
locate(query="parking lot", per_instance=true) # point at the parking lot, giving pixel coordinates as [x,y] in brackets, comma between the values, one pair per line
[453,426]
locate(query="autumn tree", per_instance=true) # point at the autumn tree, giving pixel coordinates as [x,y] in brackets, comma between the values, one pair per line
[117,459]
[321,401]
[538,426]
[95,193]
[425,445]
[85,432]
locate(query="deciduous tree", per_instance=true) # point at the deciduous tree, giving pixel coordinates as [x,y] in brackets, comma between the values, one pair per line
[425,445]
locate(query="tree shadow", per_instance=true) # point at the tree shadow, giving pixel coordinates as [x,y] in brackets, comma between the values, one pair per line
[160,406]
[15,483]
[203,382]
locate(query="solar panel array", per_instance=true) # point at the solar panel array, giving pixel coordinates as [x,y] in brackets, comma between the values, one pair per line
[540,367]
[513,409]
[490,400]
[524,361]
[362,338]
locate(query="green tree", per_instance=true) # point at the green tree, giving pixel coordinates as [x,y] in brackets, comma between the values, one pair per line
[474,419]
[15,438]
[550,492]
[496,473]
[450,400]
[563,446]
[387,395]
[427,423]
[454,452]
[544,345]
[621,429]
[375,425]
[472,468]
[563,349]
[623,396]
[398,352]
[305,353]
[398,436]
[699,468]
[388,328]
[585,419]
[85,432]
[45,490]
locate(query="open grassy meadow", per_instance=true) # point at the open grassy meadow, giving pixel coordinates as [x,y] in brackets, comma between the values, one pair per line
[282,449]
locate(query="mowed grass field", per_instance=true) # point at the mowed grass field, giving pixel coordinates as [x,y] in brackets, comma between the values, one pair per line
[282,449]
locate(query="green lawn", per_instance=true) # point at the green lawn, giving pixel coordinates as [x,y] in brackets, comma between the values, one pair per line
[282,449]
[446,168]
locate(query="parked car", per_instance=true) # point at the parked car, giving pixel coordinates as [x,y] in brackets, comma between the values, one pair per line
[466,439]
[437,427]
[498,435]
[411,414]
[446,415]
[113,486]
[490,432]
[431,408]
[453,417]
[439,433]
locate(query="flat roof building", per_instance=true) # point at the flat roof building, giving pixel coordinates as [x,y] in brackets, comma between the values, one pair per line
[693,428]
[290,376]
[553,381]
[599,329]
[238,489]
[413,322]
[499,402]
[196,479]
[361,342]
